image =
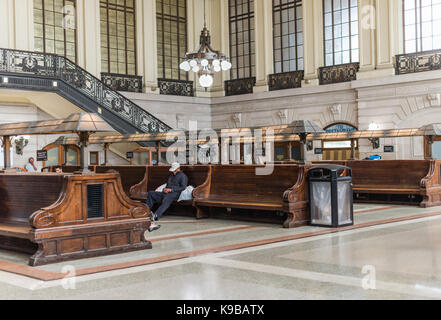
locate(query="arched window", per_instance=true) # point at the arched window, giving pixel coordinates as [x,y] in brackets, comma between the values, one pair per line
[242,43]
[287,35]
[55,27]
[118,36]
[340,31]
[422,25]
[171,25]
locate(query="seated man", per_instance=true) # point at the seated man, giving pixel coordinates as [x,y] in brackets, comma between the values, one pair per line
[177,182]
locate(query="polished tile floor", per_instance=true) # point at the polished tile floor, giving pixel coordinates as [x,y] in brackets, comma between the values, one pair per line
[393,255]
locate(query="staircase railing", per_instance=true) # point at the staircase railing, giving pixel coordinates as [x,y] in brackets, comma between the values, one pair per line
[60,68]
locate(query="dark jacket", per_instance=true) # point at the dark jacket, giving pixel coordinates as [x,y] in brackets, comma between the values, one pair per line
[178,182]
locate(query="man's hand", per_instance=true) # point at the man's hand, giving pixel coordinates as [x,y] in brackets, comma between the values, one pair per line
[166,191]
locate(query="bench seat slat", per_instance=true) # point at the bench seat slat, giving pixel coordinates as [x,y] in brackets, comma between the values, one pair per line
[241,204]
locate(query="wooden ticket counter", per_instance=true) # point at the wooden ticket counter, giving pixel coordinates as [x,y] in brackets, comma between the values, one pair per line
[59,217]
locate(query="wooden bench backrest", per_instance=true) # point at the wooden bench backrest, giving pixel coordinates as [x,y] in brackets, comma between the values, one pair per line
[242,182]
[400,173]
[23,194]
[72,169]
[158,175]
[130,175]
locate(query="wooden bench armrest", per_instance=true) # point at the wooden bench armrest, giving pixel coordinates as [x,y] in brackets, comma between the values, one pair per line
[432,178]
[298,192]
[139,190]
[203,191]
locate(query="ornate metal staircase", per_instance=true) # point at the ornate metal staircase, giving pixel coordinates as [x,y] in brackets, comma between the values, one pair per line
[27,70]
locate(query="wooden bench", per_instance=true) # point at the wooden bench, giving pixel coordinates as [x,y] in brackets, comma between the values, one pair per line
[396,181]
[59,217]
[156,176]
[238,186]
[70,169]
[130,175]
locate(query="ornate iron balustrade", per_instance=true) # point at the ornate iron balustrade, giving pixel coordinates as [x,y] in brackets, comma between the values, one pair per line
[418,62]
[339,73]
[176,87]
[285,80]
[122,82]
[40,65]
[239,86]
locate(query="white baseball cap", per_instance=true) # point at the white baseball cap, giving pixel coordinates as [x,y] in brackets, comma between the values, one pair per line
[175,166]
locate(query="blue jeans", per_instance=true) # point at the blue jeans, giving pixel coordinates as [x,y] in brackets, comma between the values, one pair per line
[166,201]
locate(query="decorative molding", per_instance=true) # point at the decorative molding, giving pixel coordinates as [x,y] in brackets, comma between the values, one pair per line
[239,86]
[283,115]
[339,73]
[434,99]
[286,80]
[418,62]
[180,121]
[335,110]
[176,87]
[122,82]
[237,118]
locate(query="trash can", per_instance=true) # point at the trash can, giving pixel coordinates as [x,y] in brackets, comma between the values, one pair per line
[330,195]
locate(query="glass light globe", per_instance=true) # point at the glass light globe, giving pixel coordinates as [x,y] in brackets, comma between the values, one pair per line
[373,126]
[225,65]
[196,69]
[193,63]
[216,63]
[204,62]
[206,80]
[185,66]
[217,68]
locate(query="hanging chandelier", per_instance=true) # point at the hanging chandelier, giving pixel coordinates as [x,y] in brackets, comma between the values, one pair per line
[206,61]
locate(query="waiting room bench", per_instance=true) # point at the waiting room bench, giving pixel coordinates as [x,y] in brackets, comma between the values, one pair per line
[238,186]
[59,217]
[396,181]
[156,176]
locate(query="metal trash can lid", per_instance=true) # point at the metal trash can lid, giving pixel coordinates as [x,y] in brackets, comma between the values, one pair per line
[329,168]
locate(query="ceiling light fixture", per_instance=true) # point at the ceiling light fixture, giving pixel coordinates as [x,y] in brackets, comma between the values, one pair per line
[206,61]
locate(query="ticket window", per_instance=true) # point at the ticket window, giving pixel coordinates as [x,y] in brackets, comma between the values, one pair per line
[141,158]
[338,150]
[94,158]
[73,158]
[56,156]
[436,150]
[281,152]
